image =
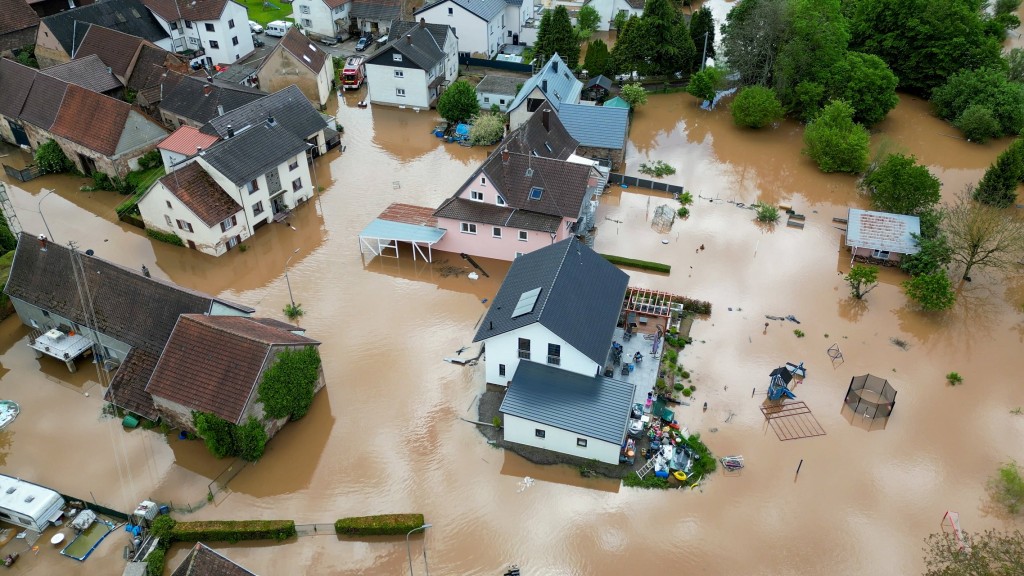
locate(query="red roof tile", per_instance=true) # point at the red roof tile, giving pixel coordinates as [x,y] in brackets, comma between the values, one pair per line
[199,193]
[116,49]
[194,10]
[91,119]
[16,15]
[184,140]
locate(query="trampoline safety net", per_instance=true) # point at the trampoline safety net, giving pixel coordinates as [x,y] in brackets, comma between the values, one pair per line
[871,396]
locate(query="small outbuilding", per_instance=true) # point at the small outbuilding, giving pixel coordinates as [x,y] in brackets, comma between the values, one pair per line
[597,88]
[881,237]
[495,90]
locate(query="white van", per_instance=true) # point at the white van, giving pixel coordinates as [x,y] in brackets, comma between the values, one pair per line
[278,28]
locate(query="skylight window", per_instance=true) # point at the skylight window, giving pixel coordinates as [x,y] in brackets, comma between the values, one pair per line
[536,192]
[306,58]
[527,301]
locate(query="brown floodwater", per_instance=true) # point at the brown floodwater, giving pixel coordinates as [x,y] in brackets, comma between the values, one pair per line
[387,435]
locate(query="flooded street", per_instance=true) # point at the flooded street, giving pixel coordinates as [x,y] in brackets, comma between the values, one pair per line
[386,436]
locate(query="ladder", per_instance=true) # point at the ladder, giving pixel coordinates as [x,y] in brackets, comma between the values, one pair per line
[647,467]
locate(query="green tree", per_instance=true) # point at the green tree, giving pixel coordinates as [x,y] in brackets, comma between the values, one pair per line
[933,292]
[672,47]
[992,553]
[756,107]
[900,185]
[982,236]
[1014,60]
[867,83]
[293,311]
[987,87]
[487,129]
[816,43]
[923,41]
[633,47]
[620,19]
[704,84]
[752,35]
[634,94]
[998,187]
[250,439]
[808,98]
[934,255]
[587,21]
[862,279]
[216,432]
[597,62]
[458,102]
[51,159]
[287,387]
[544,47]
[978,123]
[835,142]
[702,31]
[563,37]
[1007,488]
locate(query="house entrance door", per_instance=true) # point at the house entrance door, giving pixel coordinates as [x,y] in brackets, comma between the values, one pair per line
[88,164]
[277,204]
[20,138]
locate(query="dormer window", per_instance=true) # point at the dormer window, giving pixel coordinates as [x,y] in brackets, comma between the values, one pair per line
[536,192]
[396,57]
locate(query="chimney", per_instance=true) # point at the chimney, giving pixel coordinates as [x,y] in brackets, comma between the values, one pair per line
[220,109]
[544,119]
[231,132]
[209,79]
[505,156]
[408,38]
[270,120]
[199,149]
[42,242]
[423,22]
[554,65]
[544,86]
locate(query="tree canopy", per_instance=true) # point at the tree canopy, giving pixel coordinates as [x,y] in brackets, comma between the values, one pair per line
[900,185]
[816,42]
[656,43]
[988,87]
[756,107]
[753,33]
[704,84]
[560,38]
[597,61]
[634,94]
[702,31]
[867,83]
[835,142]
[458,102]
[933,292]
[998,187]
[991,553]
[587,21]
[982,236]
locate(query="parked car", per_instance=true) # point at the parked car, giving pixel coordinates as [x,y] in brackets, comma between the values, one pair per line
[328,41]
[382,40]
[362,44]
[255,27]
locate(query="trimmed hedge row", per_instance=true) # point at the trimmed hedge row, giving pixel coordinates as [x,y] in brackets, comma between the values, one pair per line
[383,524]
[232,530]
[169,237]
[642,264]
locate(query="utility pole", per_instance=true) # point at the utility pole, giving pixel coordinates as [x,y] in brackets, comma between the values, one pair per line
[704,57]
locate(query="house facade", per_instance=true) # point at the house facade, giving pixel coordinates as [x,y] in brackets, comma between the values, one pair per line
[297,60]
[553,85]
[412,69]
[374,16]
[219,28]
[59,35]
[324,18]
[608,9]
[481,25]
[495,90]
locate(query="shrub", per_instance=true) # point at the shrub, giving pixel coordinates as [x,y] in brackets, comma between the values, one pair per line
[687,392]
[954,379]
[634,94]
[287,387]
[649,482]
[150,159]
[683,212]
[251,439]
[670,356]
[696,306]
[168,237]
[233,530]
[380,525]
[162,526]
[978,123]
[835,142]
[799,333]
[155,562]
[642,264]
[293,311]
[1007,488]
[51,159]
[686,198]
[686,375]
[704,462]
[216,432]
[692,387]
[679,387]
[766,213]
[496,421]
[458,102]
[487,129]
[756,107]
[657,169]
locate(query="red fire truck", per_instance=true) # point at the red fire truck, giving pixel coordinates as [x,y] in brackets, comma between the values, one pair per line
[354,73]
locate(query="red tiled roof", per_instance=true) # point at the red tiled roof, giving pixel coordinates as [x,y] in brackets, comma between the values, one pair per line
[16,15]
[91,119]
[213,363]
[128,388]
[203,561]
[200,193]
[409,214]
[194,10]
[185,140]
[115,49]
[303,50]
[332,4]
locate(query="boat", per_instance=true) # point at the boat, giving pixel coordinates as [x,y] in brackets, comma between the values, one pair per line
[9,410]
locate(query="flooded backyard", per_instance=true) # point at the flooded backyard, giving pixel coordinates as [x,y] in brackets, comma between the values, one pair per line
[386,435]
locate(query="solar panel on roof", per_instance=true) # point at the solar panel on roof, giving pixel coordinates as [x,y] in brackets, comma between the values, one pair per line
[526,303]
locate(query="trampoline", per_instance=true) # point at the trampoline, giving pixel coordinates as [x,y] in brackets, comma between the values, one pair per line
[871,396]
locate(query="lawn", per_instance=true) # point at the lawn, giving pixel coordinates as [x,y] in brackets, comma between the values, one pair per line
[266,12]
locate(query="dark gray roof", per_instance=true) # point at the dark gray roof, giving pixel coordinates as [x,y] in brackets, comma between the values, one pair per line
[255,151]
[465,210]
[16,80]
[541,136]
[197,99]
[485,9]
[580,298]
[495,84]
[599,81]
[562,86]
[596,126]
[128,16]
[376,9]
[585,405]
[88,72]
[238,72]
[565,186]
[202,561]
[424,45]
[289,107]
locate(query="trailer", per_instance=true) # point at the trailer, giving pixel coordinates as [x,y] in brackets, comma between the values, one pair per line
[28,505]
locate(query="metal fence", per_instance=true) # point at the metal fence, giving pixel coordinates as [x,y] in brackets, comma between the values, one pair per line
[23,175]
[496,64]
[315,530]
[96,507]
[615,178]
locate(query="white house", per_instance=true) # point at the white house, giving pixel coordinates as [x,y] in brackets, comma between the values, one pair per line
[183,144]
[482,26]
[218,200]
[609,8]
[220,28]
[414,67]
[548,334]
[323,18]
[28,505]
[495,90]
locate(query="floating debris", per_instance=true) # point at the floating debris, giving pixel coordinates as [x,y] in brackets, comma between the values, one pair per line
[524,484]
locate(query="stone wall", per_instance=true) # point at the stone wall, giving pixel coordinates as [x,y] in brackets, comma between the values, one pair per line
[49,52]
[18,39]
[617,157]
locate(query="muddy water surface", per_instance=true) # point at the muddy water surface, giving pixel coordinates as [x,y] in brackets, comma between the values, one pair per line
[386,434]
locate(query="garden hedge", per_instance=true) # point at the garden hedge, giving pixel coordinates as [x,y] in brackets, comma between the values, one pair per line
[642,264]
[383,524]
[232,530]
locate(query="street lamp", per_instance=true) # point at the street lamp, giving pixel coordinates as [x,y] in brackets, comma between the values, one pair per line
[39,206]
[408,549]
[294,252]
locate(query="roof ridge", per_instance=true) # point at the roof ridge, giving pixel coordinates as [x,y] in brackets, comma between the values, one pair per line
[554,279]
[215,325]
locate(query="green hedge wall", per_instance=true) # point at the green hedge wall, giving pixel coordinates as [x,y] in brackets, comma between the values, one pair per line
[642,264]
[383,524]
[233,530]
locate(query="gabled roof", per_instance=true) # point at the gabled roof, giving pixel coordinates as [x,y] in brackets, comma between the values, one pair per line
[128,387]
[213,363]
[116,49]
[486,10]
[16,15]
[138,131]
[197,190]
[596,126]
[303,49]
[185,140]
[289,107]
[422,44]
[616,103]
[45,100]
[562,86]
[88,72]
[882,231]
[495,84]
[458,208]
[332,4]
[564,185]
[151,65]
[255,151]
[194,10]
[585,405]
[202,561]
[198,99]
[376,9]
[16,80]
[91,119]
[541,135]
[599,81]
[580,298]
[128,16]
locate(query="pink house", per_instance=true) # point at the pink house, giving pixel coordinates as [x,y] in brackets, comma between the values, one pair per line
[530,193]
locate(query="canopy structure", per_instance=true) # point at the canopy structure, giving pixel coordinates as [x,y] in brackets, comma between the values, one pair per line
[871,396]
[402,223]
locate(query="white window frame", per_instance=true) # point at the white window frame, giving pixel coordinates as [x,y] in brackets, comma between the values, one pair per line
[524,236]
[500,201]
[476,195]
[468,228]
[496,232]
[169,221]
[881,254]
[400,92]
[399,73]
[396,57]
